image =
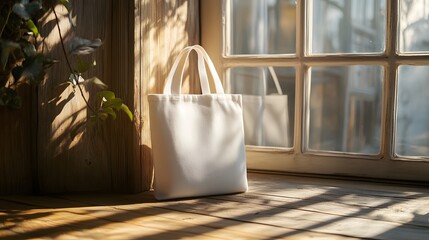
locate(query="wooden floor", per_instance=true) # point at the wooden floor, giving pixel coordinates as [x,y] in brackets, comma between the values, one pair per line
[276,207]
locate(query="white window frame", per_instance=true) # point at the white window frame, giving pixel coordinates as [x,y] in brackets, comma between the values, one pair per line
[297,160]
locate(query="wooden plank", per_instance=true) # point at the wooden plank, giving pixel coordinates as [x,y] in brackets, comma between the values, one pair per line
[124,137]
[50,220]
[410,212]
[303,220]
[16,146]
[219,227]
[171,224]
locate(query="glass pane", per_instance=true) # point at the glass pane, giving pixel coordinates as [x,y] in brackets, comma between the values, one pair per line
[414,26]
[412,115]
[347,26]
[345,109]
[268,103]
[261,27]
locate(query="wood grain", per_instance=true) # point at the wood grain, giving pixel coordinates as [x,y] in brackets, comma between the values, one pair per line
[16,146]
[275,207]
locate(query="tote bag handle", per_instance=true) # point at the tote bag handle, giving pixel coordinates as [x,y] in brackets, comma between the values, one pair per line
[276,80]
[204,81]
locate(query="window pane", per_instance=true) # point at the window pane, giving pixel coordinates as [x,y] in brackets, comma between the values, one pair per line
[261,27]
[347,26]
[345,109]
[412,115]
[268,103]
[414,26]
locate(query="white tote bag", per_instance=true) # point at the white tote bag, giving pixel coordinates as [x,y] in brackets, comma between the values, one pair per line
[197,139]
[266,117]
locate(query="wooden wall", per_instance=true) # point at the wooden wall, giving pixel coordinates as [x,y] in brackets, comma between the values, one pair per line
[17,129]
[99,158]
[140,40]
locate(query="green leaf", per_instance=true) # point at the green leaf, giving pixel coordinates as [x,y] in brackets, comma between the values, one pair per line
[6,47]
[115,103]
[32,27]
[82,65]
[107,95]
[109,111]
[102,115]
[127,111]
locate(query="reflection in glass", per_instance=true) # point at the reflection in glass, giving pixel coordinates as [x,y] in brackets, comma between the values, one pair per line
[345,109]
[261,27]
[412,115]
[268,103]
[413,26]
[347,26]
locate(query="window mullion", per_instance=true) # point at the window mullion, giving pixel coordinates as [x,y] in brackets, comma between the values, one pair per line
[299,127]
[389,91]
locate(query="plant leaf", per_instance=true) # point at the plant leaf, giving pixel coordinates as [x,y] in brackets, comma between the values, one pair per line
[82,65]
[31,26]
[6,47]
[10,98]
[28,48]
[26,10]
[125,109]
[74,81]
[19,9]
[115,103]
[33,8]
[48,62]
[34,69]
[109,111]
[108,95]
[80,46]
[102,115]
[17,72]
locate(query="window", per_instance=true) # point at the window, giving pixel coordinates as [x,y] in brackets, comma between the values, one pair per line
[329,86]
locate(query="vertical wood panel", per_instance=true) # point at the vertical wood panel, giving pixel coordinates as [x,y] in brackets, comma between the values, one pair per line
[16,147]
[101,157]
[163,28]
[128,160]
[67,163]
